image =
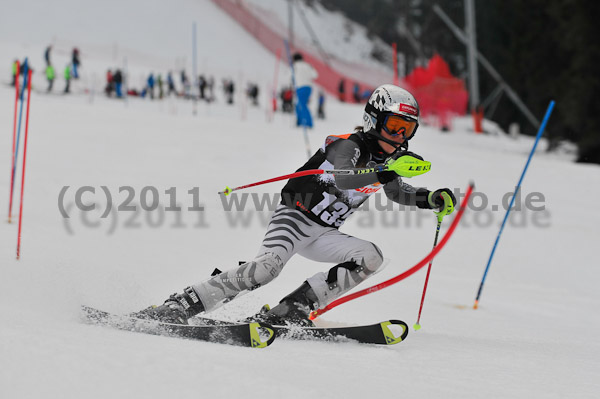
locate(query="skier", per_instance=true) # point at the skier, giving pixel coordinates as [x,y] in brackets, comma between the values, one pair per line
[67,75]
[50,77]
[304,74]
[202,86]
[150,85]
[229,90]
[15,66]
[185,84]
[47,55]
[76,62]
[170,84]
[110,84]
[342,90]
[321,106]
[159,82]
[312,209]
[252,91]
[287,98]
[118,83]
[356,93]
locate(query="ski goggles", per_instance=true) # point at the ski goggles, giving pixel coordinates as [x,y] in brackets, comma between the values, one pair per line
[396,125]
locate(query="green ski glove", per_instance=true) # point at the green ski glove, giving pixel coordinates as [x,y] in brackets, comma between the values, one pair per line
[443,200]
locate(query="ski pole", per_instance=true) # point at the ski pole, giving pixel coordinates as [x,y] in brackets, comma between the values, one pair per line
[512,200]
[309,172]
[440,217]
[409,168]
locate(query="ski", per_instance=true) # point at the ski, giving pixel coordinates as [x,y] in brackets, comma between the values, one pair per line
[253,334]
[388,332]
[383,333]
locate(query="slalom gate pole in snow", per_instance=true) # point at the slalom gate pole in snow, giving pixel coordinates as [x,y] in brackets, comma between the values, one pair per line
[289,56]
[440,217]
[24,160]
[16,150]
[512,200]
[12,162]
[275,76]
[407,273]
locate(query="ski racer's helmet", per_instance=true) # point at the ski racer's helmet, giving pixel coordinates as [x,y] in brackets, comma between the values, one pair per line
[389,100]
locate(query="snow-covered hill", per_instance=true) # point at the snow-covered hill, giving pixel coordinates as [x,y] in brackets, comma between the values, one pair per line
[533,336]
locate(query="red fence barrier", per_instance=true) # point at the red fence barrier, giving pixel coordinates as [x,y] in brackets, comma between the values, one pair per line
[440,95]
[329,78]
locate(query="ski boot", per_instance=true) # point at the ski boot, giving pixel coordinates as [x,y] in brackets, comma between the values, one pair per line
[177,309]
[292,310]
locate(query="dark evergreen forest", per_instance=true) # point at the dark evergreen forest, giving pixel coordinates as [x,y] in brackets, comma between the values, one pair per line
[544,49]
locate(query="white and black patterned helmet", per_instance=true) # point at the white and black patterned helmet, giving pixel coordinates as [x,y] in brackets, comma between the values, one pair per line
[388,100]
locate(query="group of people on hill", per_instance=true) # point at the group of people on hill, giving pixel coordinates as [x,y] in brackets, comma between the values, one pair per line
[71,70]
[156,87]
[358,96]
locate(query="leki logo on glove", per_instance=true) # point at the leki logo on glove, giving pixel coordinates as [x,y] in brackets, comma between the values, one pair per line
[423,168]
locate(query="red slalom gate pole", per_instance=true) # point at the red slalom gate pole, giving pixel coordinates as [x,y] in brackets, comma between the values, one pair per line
[24,161]
[275,75]
[409,272]
[12,163]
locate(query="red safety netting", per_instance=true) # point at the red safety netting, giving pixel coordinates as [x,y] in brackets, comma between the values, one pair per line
[440,95]
[329,78]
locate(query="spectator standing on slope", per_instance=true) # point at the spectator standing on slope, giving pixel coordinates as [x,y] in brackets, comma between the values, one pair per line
[50,76]
[47,55]
[76,62]
[159,82]
[304,75]
[342,90]
[321,108]
[150,85]
[67,75]
[118,83]
[110,86]
[15,65]
[170,84]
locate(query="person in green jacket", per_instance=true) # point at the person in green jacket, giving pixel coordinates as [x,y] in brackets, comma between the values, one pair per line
[67,77]
[50,76]
[15,66]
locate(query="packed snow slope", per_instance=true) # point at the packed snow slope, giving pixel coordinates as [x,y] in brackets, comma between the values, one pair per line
[534,334]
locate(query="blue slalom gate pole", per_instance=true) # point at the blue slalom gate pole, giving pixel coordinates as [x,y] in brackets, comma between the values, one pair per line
[512,200]
[289,56]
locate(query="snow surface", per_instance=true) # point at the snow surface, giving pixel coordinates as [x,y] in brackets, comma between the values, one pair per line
[534,334]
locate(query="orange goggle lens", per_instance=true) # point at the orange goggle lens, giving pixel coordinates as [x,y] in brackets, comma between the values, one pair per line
[396,125]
